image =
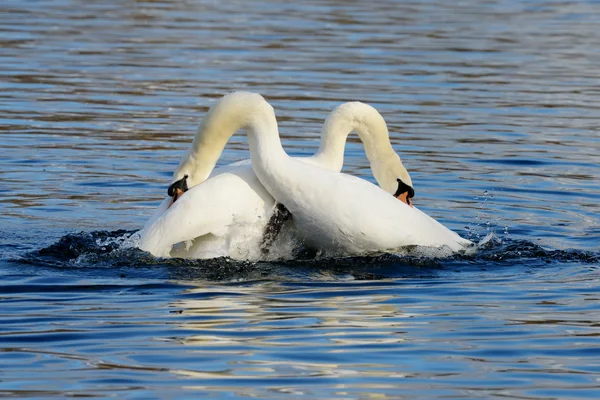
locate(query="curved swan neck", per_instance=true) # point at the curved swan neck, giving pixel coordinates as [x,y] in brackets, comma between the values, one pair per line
[354,117]
[372,130]
[235,111]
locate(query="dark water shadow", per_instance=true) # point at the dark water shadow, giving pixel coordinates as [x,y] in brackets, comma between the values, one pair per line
[107,254]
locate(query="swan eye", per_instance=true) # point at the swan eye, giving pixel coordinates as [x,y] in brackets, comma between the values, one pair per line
[180,184]
[403,188]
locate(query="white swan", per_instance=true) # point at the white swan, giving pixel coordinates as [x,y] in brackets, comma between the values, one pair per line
[337,213]
[227,214]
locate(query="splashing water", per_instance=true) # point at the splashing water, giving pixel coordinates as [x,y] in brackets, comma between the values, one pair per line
[115,253]
[485,222]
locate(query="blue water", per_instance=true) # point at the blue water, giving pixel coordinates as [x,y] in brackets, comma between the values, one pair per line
[493,106]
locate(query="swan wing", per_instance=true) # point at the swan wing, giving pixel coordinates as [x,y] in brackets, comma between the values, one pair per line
[230,199]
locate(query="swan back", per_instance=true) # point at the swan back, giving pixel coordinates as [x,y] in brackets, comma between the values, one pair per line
[344,214]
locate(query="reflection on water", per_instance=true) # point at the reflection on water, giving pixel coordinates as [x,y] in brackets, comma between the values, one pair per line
[511,320]
[438,336]
[492,106]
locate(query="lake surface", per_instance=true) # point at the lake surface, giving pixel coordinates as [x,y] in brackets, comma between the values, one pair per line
[493,106]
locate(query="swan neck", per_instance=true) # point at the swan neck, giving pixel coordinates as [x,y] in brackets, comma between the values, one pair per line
[354,117]
[240,110]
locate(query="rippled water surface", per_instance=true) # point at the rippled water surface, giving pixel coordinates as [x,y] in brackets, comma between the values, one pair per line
[493,106]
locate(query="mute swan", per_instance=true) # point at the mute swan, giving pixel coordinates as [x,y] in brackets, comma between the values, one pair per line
[334,212]
[230,210]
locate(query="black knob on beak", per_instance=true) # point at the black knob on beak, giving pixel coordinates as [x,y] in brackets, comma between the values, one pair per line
[180,184]
[402,188]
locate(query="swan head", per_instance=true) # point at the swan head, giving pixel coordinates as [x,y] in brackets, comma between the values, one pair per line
[184,178]
[404,193]
[177,188]
[393,177]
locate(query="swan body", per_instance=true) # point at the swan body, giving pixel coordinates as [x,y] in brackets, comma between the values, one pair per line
[223,216]
[355,217]
[334,212]
[240,207]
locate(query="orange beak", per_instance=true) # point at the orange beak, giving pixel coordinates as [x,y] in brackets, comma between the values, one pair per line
[177,193]
[403,197]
